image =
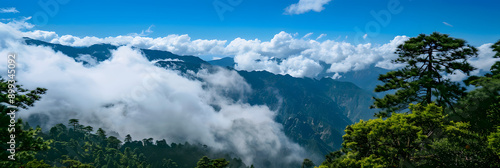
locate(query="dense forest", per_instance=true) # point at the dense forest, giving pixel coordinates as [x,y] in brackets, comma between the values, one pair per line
[427,121]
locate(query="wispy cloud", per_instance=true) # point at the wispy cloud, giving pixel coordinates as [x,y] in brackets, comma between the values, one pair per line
[304,6]
[9,10]
[447,24]
[308,35]
[143,32]
[149,29]
[321,36]
[21,24]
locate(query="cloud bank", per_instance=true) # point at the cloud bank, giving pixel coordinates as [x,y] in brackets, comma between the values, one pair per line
[304,6]
[285,53]
[129,95]
[9,10]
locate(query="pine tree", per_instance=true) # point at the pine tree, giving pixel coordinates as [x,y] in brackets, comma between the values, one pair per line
[101,133]
[88,129]
[74,122]
[428,59]
[128,138]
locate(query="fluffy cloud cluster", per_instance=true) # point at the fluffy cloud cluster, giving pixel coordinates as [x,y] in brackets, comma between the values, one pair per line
[179,44]
[303,57]
[129,95]
[304,6]
[283,54]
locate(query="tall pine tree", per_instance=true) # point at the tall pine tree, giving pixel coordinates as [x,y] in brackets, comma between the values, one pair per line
[428,59]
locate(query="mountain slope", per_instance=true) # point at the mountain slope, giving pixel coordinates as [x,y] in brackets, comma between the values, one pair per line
[223,62]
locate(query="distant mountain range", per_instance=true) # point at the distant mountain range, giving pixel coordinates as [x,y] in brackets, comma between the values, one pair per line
[223,62]
[313,112]
[366,78]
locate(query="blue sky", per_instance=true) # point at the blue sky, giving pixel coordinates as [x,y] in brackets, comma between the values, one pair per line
[475,21]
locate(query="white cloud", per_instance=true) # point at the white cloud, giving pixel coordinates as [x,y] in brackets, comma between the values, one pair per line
[129,95]
[447,24]
[304,6]
[300,67]
[254,54]
[143,32]
[90,60]
[21,24]
[321,36]
[9,10]
[307,35]
[336,76]
[482,62]
[485,59]
[260,55]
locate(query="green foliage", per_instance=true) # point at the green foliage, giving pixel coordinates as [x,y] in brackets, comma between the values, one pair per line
[494,141]
[423,138]
[27,141]
[37,164]
[113,142]
[307,164]
[169,163]
[427,58]
[206,162]
[70,163]
[394,140]
[481,107]
[88,129]
[101,133]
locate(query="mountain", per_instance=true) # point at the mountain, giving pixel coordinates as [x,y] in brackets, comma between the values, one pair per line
[366,78]
[313,112]
[223,62]
[99,52]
